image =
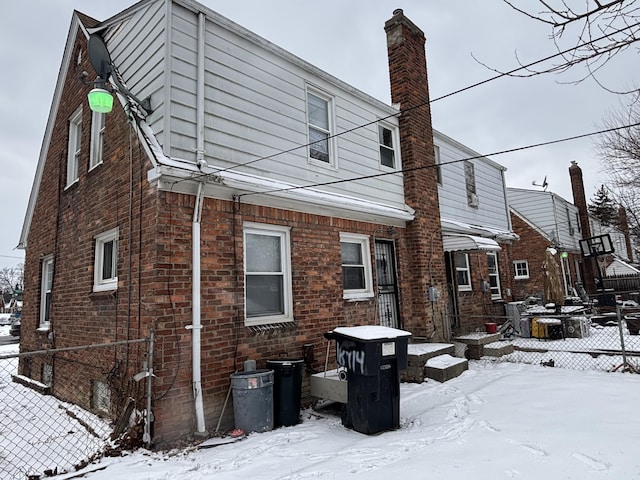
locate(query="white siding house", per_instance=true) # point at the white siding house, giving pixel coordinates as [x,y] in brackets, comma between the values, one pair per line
[472,193]
[229,102]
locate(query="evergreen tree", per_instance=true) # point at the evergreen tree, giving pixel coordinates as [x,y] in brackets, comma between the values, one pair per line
[603,208]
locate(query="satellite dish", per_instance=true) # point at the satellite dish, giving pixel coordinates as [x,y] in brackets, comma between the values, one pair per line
[99,56]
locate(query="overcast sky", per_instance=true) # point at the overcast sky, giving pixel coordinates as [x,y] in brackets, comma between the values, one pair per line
[347,39]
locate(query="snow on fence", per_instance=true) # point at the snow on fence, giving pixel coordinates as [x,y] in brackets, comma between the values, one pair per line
[43,435]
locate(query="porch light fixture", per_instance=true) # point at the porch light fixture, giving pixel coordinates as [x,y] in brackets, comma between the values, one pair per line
[100,100]
[564,254]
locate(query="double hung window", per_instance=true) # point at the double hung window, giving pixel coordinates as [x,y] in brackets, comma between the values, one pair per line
[357,279]
[74,147]
[319,120]
[267,267]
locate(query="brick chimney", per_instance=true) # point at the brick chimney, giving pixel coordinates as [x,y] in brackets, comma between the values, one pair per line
[623,225]
[580,201]
[410,89]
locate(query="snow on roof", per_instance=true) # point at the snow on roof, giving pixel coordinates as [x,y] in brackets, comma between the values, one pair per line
[371,332]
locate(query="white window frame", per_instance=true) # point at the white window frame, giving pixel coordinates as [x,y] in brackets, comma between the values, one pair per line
[46,290]
[74,148]
[101,284]
[329,132]
[283,233]
[518,266]
[463,287]
[365,250]
[496,292]
[98,126]
[393,148]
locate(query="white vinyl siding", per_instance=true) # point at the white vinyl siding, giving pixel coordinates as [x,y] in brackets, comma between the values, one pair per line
[356,266]
[255,105]
[105,275]
[267,274]
[75,147]
[490,189]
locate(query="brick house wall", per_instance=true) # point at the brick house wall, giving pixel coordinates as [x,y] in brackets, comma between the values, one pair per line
[475,307]
[155,276]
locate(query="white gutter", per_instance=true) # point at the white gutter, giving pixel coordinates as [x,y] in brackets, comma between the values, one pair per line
[195,238]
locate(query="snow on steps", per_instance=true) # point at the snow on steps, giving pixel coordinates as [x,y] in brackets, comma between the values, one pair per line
[432,360]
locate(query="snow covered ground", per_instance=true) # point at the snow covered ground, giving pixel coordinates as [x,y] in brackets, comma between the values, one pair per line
[496,421]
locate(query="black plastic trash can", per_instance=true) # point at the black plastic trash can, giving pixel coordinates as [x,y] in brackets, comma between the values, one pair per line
[253,400]
[373,357]
[287,390]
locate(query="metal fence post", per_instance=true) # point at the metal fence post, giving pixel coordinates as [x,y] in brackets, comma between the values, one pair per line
[624,353]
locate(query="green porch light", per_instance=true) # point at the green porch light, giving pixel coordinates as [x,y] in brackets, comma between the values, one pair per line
[564,254]
[100,100]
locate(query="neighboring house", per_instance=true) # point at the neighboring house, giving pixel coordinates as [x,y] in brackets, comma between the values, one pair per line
[240,216]
[476,228]
[544,219]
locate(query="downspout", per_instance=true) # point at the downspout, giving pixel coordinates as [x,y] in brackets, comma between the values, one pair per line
[195,236]
[196,325]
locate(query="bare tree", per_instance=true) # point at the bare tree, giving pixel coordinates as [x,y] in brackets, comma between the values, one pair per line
[12,279]
[588,33]
[619,149]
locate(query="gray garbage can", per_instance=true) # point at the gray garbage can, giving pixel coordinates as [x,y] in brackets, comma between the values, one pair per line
[253,400]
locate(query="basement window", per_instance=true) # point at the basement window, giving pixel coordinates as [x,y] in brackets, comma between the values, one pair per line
[101,397]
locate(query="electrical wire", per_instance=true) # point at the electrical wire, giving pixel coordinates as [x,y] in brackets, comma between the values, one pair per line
[413,169]
[419,105]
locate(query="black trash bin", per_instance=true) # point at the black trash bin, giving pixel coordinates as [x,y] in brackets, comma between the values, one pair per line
[373,357]
[287,390]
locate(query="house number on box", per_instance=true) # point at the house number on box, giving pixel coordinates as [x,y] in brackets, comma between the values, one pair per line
[388,348]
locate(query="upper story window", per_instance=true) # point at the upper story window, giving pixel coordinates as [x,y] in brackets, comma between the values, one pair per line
[494,275]
[357,279]
[463,272]
[267,274]
[386,139]
[470,183]
[571,229]
[105,276]
[75,143]
[46,289]
[436,152]
[520,269]
[97,138]
[319,122]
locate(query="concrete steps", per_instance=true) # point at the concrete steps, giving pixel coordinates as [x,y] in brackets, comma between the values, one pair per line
[432,360]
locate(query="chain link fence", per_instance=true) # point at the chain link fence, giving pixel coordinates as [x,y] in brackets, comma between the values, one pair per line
[41,435]
[578,338]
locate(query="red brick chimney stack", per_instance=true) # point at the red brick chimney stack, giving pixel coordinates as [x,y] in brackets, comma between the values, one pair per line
[580,201]
[410,89]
